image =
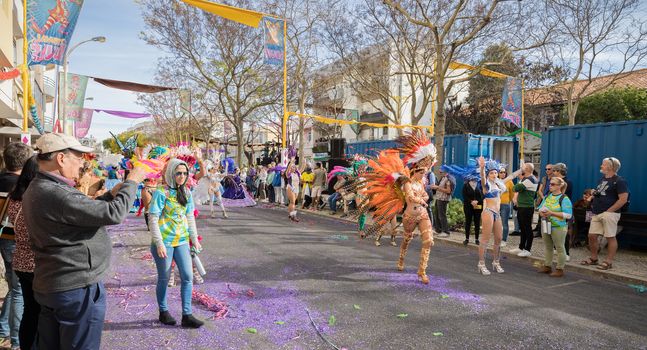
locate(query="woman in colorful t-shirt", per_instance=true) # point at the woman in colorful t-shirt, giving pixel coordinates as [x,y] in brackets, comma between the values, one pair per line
[557,209]
[172,224]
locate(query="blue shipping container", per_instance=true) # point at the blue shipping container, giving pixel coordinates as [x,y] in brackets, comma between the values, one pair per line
[583,147]
[458,149]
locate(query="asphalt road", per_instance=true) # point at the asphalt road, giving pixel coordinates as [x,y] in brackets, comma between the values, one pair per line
[270,273]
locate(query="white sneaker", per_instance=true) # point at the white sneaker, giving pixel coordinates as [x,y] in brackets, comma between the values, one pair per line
[503,244]
[515,251]
[443,235]
[568,258]
[524,254]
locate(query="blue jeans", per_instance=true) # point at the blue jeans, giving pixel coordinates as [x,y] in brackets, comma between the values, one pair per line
[12,309]
[332,201]
[505,219]
[182,257]
[72,319]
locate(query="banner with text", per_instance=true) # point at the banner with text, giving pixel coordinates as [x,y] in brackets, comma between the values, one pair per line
[273,38]
[50,24]
[74,97]
[511,101]
[82,126]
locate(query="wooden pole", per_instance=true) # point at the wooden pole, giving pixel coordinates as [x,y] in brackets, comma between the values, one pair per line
[521,142]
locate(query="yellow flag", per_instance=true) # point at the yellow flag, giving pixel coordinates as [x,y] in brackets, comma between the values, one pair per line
[246,17]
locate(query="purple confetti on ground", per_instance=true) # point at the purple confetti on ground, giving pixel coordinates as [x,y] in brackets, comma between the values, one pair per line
[438,284]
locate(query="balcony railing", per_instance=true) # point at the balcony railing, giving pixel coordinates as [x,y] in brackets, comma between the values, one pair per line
[49,88]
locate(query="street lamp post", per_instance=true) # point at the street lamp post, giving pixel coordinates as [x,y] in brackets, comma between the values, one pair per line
[62,103]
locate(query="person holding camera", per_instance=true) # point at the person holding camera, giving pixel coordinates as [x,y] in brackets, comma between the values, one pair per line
[555,211]
[610,198]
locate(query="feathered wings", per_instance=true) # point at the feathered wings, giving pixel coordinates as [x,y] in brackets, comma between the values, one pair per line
[383,186]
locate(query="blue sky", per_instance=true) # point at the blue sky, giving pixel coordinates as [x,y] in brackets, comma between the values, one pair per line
[122,57]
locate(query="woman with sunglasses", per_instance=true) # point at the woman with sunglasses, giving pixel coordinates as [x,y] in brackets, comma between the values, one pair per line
[556,208]
[172,224]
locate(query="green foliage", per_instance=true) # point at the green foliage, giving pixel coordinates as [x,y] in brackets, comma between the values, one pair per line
[613,105]
[455,213]
[111,145]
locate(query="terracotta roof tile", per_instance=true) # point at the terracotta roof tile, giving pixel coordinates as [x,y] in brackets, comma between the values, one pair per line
[556,94]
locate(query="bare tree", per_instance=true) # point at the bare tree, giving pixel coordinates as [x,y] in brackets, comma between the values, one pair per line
[386,59]
[460,29]
[595,38]
[216,55]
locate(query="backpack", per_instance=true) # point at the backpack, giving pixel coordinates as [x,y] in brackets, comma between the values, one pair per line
[625,207]
[4,214]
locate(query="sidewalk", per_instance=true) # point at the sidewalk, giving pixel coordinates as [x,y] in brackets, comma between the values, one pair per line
[628,266]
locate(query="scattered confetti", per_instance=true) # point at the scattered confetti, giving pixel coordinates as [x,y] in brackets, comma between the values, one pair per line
[357,307]
[332,320]
[280,323]
[252,330]
[437,334]
[220,308]
[638,288]
[402,315]
[444,296]
[340,237]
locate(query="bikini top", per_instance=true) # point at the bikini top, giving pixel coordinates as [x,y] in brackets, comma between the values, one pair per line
[493,190]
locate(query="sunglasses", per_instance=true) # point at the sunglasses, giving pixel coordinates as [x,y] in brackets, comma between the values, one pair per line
[549,169]
[181,173]
[554,184]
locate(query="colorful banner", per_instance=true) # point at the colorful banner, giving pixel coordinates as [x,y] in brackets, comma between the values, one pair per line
[50,24]
[122,114]
[511,101]
[74,97]
[14,73]
[82,126]
[273,38]
[244,16]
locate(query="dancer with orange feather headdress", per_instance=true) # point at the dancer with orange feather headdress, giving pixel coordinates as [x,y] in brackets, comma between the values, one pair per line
[393,183]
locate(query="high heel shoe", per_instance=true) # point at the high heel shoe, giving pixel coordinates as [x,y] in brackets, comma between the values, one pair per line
[497,267]
[482,269]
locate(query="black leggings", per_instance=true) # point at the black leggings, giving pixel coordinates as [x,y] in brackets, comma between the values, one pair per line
[524,215]
[472,214]
[29,323]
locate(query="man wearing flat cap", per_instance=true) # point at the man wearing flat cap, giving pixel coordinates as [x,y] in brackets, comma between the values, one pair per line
[72,248]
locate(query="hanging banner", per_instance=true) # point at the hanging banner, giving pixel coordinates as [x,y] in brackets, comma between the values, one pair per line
[273,38]
[511,101]
[122,114]
[50,24]
[74,97]
[185,100]
[82,126]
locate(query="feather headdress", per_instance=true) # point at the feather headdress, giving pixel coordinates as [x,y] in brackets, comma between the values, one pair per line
[339,170]
[418,150]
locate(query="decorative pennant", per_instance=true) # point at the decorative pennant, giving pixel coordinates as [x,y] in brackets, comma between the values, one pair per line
[74,96]
[82,126]
[511,101]
[273,37]
[50,24]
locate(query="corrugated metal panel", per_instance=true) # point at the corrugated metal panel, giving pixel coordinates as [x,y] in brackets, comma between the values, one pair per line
[582,148]
[369,148]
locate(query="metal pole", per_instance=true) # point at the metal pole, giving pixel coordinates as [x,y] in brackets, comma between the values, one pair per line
[25,72]
[285,83]
[63,102]
[523,159]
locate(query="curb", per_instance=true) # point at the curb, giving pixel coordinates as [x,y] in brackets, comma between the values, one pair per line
[593,272]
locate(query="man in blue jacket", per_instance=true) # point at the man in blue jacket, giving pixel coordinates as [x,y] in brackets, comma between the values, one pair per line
[71,246]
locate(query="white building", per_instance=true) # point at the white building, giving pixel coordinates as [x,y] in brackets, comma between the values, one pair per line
[336,97]
[11,91]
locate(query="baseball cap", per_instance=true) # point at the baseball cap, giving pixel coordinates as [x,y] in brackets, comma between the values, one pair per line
[53,142]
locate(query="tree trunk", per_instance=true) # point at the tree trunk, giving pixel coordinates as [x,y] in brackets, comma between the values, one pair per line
[240,145]
[301,153]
